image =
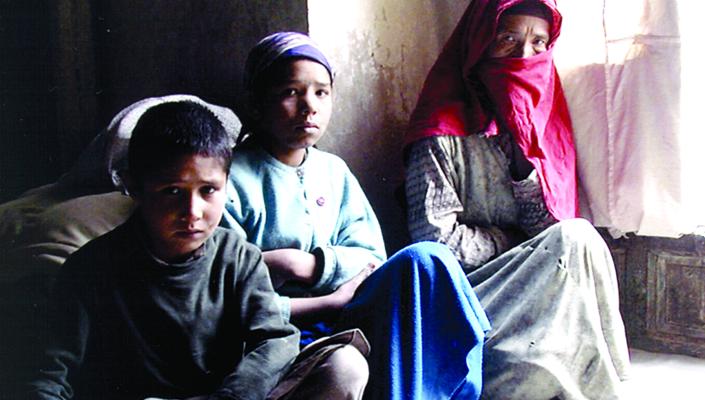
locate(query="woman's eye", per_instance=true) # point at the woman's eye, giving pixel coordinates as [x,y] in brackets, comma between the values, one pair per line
[289,92]
[322,93]
[208,190]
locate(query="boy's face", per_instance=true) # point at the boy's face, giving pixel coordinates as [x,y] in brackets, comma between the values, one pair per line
[296,110]
[182,204]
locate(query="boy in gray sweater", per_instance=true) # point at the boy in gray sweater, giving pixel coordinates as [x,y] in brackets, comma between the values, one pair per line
[169,305]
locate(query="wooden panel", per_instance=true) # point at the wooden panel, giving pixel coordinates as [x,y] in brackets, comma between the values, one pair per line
[662,292]
[675,312]
[619,256]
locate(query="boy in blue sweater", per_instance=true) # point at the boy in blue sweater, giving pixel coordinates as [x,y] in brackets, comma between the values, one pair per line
[321,240]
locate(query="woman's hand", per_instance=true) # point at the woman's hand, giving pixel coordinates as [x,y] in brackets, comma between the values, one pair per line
[290,265]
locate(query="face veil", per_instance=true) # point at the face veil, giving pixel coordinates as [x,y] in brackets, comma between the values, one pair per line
[466,94]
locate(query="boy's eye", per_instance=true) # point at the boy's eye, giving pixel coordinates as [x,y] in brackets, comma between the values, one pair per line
[172,191]
[322,92]
[289,92]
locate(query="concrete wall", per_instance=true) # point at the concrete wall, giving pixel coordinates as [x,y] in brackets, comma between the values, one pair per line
[382,50]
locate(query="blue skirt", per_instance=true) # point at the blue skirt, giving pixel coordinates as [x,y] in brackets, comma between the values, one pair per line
[425,325]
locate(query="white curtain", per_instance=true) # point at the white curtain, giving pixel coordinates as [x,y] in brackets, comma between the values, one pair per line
[630,69]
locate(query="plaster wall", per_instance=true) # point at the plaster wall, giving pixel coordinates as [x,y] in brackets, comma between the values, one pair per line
[382,51]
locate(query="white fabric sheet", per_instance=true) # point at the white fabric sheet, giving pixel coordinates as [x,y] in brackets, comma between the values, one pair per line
[629,89]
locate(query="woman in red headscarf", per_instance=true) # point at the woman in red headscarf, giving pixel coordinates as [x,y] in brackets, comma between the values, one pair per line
[491,173]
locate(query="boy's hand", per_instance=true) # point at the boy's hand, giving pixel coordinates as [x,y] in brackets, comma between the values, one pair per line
[290,265]
[342,296]
[304,309]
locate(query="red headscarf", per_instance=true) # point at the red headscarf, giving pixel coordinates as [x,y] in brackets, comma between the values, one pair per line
[526,95]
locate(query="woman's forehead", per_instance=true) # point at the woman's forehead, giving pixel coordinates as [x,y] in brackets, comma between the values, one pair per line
[531,8]
[518,21]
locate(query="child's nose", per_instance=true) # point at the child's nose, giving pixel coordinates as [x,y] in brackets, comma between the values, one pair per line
[309,104]
[193,207]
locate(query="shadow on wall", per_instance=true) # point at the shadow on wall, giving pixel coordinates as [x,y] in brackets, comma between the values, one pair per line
[72,65]
[27,98]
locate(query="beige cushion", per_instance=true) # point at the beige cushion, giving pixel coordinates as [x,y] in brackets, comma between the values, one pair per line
[37,236]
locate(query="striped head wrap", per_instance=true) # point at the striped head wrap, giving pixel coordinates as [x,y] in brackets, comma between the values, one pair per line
[281,45]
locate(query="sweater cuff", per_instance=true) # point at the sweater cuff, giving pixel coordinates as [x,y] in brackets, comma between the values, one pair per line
[500,239]
[327,270]
[528,190]
[320,258]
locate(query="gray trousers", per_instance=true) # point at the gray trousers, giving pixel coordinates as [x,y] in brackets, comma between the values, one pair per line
[556,328]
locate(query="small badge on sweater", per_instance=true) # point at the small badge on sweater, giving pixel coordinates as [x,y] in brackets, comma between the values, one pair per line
[320,201]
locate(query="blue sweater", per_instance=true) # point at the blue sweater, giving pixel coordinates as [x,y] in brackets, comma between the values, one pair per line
[318,204]
[424,323]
